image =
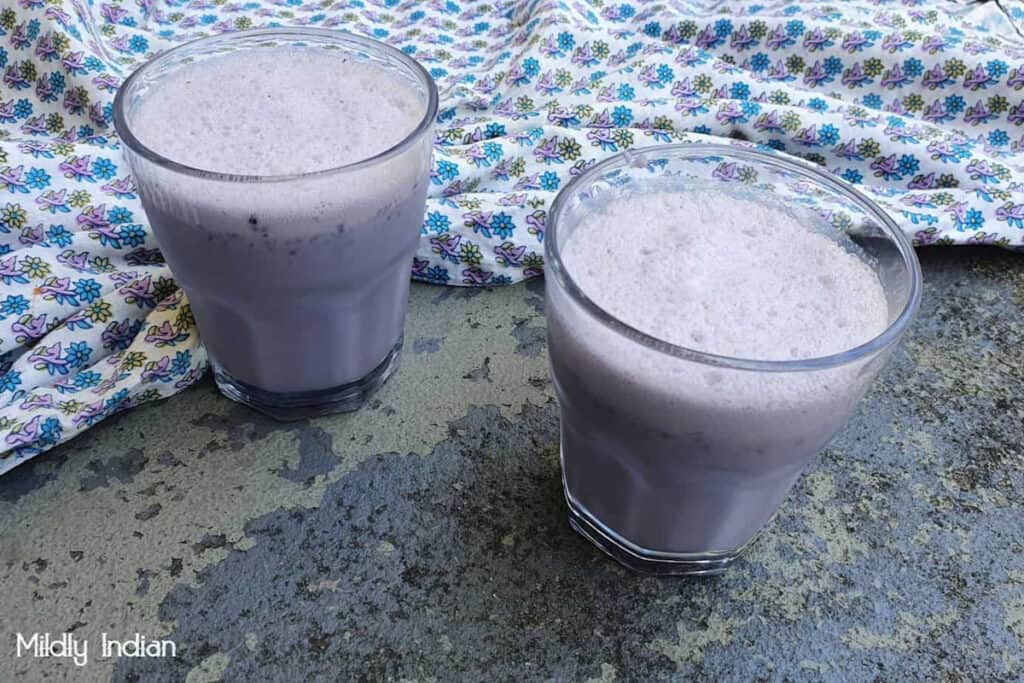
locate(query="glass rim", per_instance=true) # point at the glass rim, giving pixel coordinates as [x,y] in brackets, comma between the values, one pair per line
[129,139]
[554,265]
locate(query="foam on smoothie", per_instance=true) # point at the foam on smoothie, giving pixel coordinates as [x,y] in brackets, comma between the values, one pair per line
[277,111]
[732,277]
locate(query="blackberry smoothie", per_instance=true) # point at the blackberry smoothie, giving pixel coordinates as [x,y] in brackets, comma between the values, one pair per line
[284,173]
[675,451]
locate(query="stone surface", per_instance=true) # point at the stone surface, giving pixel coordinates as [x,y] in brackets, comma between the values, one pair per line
[424,537]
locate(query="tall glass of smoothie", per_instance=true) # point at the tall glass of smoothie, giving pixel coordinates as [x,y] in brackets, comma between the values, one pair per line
[715,314]
[284,172]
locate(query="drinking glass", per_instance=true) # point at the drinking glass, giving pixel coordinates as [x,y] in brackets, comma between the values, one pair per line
[673,476]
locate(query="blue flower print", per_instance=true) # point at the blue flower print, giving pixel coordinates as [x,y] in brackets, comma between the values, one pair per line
[760,62]
[852,175]
[974,219]
[795,28]
[996,68]
[872,100]
[77,354]
[652,29]
[622,116]
[87,378]
[626,11]
[531,67]
[10,381]
[626,92]
[13,304]
[723,28]
[447,170]
[132,235]
[817,104]
[998,138]
[88,290]
[119,214]
[740,90]
[954,104]
[23,108]
[38,178]
[549,181]
[502,226]
[833,65]
[138,44]
[59,235]
[913,67]
[493,151]
[437,222]
[566,41]
[104,168]
[908,164]
[828,134]
[437,275]
[182,362]
[494,130]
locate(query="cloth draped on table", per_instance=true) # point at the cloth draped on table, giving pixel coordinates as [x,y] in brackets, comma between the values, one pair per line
[919,103]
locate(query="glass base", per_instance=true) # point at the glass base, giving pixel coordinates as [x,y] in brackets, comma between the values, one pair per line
[299,405]
[639,559]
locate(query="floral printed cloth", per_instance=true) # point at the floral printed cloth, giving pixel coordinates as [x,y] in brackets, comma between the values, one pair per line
[919,103]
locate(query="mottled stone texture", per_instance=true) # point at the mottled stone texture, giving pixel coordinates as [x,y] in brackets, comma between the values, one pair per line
[425,536]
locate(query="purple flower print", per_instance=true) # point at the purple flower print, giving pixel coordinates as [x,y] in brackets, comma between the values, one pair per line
[25,435]
[59,290]
[158,371]
[936,77]
[112,13]
[29,328]
[74,63]
[1012,213]
[816,40]
[895,42]
[855,42]
[34,126]
[165,335]
[476,276]
[778,39]
[12,180]
[1016,78]
[978,114]
[923,182]
[10,271]
[122,188]
[894,78]
[1016,114]
[46,50]
[536,224]
[854,77]
[978,78]
[31,235]
[815,75]
[886,168]
[447,246]
[508,254]
[78,168]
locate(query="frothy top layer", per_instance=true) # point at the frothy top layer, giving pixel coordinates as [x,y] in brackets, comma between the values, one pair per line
[726,275]
[277,111]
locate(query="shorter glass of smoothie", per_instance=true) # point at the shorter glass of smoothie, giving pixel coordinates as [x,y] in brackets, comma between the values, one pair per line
[715,313]
[284,172]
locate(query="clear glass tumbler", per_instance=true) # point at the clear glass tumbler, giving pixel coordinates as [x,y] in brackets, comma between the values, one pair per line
[303,317]
[673,476]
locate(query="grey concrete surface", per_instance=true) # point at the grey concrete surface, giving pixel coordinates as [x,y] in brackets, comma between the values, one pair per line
[424,537]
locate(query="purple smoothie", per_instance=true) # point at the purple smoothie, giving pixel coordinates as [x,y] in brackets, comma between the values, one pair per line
[671,455]
[295,256]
